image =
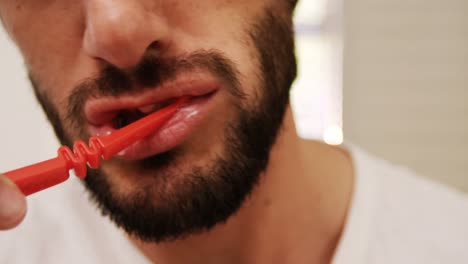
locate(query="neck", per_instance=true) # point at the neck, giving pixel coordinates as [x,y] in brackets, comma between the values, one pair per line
[295,214]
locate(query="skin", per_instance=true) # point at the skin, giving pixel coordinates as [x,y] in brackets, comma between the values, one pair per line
[12,204]
[295,215]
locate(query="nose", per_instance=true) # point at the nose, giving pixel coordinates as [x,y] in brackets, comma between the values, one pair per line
[120,31]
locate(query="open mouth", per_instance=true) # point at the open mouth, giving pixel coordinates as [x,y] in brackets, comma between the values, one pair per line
[125,117]
[105,115]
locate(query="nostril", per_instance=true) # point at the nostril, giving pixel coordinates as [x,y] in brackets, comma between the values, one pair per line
[155,46]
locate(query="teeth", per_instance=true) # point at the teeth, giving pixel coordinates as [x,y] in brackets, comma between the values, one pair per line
[147,108]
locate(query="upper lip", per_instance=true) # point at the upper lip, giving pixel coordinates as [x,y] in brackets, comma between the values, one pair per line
[102,110]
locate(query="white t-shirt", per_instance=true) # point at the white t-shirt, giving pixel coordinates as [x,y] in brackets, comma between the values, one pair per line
[395,217]
[399,217]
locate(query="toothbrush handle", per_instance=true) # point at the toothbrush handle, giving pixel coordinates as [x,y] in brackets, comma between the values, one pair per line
[42,175]
[39,176]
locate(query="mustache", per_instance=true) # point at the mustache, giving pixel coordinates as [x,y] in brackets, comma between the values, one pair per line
[150,73]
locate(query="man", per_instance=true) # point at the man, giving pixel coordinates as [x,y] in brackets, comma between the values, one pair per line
[226,180]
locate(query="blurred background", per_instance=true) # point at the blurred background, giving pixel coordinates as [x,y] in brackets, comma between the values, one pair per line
[389,76]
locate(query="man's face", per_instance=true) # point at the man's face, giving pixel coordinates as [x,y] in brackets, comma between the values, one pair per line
[97,65]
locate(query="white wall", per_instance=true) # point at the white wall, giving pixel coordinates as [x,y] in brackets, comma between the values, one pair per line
[25,136]
[406,83]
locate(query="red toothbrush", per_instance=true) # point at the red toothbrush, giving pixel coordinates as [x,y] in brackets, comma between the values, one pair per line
[42,175]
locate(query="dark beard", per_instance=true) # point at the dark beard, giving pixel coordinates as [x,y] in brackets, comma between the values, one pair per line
[169,208]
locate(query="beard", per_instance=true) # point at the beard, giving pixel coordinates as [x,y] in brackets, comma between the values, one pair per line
[169,207]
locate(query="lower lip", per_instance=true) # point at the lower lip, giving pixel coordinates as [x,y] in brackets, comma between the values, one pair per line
[174,132]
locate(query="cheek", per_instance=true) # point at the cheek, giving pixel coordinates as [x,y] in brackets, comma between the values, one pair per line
[48,36]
